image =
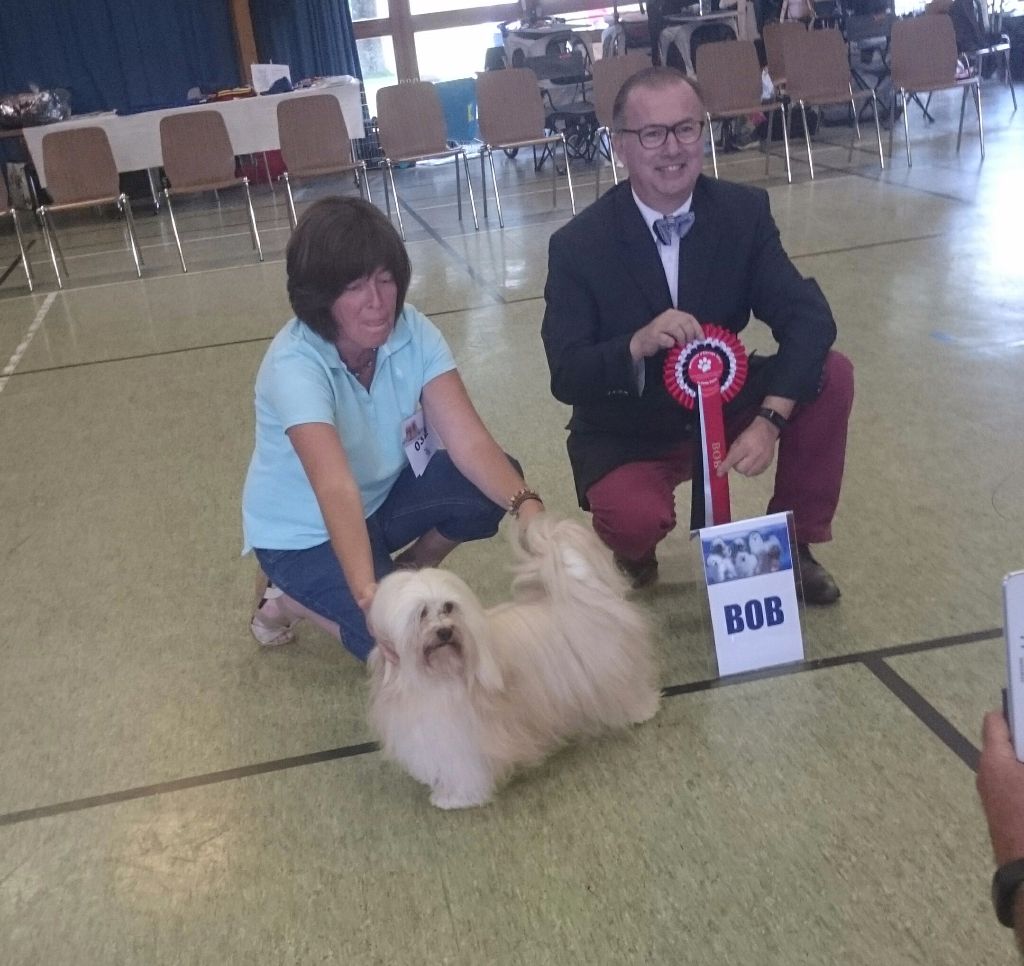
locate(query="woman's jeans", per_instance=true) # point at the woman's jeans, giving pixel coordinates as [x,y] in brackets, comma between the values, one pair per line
[442,499]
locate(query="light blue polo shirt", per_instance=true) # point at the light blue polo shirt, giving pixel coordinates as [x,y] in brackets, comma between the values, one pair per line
[303,380]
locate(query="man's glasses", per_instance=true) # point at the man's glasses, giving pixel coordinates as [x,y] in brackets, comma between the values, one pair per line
[655,135]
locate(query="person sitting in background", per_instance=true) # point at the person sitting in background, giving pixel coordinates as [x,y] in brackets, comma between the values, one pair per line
[331,493]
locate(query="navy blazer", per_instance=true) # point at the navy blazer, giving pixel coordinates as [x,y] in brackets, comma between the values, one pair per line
[606,281]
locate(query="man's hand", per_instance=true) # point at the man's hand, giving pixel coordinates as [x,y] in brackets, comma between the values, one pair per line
[665,331]
[1001,787]
[752,451]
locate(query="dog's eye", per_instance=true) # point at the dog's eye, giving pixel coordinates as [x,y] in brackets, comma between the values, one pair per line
[448,607]
[424,613]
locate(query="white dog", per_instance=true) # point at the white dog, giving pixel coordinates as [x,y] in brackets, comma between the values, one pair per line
[461,695]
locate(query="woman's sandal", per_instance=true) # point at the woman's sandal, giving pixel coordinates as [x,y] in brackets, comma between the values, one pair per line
[270,632]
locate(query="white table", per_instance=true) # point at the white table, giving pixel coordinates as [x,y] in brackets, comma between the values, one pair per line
[251,124]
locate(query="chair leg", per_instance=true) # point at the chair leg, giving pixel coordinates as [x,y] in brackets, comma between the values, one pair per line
[174,228]
[125,208]
[785,147]
[960,128]
[252,220]
[906,125]
[878,130]
[554,176]
[469,188]
[981,126]
[483,181]
[568,175]
[494,183]
[1008,77]
[711,138]
[292,218]
[390,177]
[21,248]
[363,180]
[458,186]
[807,138]
[51,241]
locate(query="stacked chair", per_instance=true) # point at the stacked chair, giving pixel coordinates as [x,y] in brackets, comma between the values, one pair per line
[315,142]
[924,60]
[81,173]
[818,74]
[198,157]
[7,210]
[511,116]
[610,73]
[412,128]
[729,73]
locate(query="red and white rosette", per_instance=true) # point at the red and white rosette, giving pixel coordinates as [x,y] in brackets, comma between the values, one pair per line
[707,373]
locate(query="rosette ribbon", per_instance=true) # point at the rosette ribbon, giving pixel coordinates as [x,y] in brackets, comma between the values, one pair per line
[706,374]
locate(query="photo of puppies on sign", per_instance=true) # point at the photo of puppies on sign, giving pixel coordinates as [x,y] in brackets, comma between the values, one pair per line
[462,696]
[763,551]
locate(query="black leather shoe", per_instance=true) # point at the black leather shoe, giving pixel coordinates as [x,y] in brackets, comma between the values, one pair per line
[641,573]
[818,586]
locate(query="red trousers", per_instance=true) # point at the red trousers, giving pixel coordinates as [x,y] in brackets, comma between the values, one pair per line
[633,506]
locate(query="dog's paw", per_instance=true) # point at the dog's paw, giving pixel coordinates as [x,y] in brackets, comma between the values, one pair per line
[443,798]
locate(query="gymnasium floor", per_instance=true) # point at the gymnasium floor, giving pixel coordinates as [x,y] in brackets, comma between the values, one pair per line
[173,794]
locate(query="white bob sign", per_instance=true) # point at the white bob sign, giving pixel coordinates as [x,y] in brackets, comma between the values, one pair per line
[751,581]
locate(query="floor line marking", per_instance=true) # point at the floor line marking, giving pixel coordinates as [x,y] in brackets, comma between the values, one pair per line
[926,712]
[12,365]
[867,658]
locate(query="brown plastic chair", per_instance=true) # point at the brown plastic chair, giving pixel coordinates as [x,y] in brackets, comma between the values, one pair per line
[81,173]
[818,73]
[411,128]
[729,74]
[511,116]
[610,73]
[198,157]
[314,142]
[923,55]
[6,208]
[774,35]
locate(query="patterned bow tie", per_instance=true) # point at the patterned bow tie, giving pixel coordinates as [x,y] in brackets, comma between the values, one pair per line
[664,228]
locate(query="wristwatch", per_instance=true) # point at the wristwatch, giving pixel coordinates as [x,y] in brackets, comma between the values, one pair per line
[1005,883]
[776,419]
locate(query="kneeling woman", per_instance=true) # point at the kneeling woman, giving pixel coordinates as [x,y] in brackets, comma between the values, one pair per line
[341,395]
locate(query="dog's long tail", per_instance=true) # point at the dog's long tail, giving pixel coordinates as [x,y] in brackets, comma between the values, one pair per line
[563,560]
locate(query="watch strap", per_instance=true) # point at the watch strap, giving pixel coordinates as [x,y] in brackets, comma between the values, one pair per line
[775,418]
[1005,883]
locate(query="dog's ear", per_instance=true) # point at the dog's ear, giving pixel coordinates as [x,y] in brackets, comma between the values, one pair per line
[383,656]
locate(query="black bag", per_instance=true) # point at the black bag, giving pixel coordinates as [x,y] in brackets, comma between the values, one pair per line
[968,25]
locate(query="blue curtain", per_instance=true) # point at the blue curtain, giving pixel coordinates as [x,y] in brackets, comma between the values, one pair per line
[313,37]
[127,55]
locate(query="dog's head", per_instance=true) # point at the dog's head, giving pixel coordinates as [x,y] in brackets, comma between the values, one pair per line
[428,624]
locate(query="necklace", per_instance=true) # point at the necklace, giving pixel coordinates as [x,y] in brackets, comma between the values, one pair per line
[360,369]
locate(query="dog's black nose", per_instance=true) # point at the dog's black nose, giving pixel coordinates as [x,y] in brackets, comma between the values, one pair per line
[444,633]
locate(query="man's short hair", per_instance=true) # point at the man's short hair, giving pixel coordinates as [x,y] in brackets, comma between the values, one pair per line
[652,78]
[337,241]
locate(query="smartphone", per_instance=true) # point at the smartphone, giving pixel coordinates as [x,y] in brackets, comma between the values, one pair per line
[1013,615]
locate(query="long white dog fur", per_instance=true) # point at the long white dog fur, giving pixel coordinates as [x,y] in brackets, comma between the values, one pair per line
[460,695]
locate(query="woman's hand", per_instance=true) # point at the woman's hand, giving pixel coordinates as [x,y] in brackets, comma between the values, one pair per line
[528,510]
[365,597]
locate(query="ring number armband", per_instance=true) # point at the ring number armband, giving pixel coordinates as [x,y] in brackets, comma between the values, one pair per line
[1005,883]
[776,419]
